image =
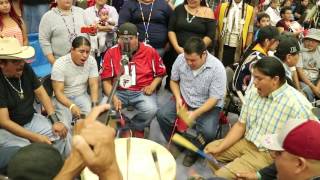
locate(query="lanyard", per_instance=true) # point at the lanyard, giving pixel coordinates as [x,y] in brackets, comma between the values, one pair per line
[71,35]
[146,25]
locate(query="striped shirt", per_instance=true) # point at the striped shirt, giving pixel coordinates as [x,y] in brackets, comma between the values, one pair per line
[210,82]
[268,115]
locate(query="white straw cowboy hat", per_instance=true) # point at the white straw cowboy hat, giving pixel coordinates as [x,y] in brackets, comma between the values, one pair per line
[10,48]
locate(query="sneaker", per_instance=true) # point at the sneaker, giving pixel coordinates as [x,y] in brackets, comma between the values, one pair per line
[189,159]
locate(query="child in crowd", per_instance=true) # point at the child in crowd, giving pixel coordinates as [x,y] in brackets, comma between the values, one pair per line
[102,40]
[263,20]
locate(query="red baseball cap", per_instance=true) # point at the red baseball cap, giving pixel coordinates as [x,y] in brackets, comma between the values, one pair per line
[298,137]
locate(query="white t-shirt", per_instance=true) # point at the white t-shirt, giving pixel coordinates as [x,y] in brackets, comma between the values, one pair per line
[75,77]
[274,15]
[310,63]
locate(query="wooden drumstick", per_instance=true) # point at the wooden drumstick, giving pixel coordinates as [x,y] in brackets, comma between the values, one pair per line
[177,138]
[128,155]
[155,160]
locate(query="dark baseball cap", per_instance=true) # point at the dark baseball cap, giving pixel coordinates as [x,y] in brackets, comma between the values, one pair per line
[36,161]
[268,32]
[287,45]
[128,29]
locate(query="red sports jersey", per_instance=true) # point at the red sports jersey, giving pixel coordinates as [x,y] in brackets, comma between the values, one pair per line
[147,62]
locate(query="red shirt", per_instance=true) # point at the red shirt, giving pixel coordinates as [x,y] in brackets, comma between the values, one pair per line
[146,60]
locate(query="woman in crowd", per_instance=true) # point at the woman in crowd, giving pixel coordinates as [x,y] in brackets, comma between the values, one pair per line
[71,75]
[287,24]
[192,18]
[151,17]
[58,27]
[91,17]
[11,24]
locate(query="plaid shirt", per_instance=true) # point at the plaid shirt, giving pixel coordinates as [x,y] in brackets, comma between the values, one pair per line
[268,115]
[210,82]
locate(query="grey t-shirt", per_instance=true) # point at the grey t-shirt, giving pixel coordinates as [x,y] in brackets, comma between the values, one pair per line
[310,63]
[75,77]
[56,31]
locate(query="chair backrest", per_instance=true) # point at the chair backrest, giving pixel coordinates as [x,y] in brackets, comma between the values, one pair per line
[39,58]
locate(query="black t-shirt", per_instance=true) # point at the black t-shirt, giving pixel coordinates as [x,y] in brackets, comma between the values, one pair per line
[20,110]
[197,26]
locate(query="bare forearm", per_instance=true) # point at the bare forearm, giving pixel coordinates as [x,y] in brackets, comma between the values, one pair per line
[173,39]
[303,77]
[72,167]
[208,105]
[234,135]
[174,86]
[63,99]
[94,88]
[113,173]
[51,58]
[156,81]
[107,87]
[17,130]
[44,99]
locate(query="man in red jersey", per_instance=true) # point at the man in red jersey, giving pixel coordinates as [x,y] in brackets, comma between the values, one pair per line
[139,79]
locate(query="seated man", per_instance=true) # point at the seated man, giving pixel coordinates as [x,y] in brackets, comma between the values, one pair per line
[139,77]
[198,82]
[297,142]
[296,149]
[19,122]
[268,107]
[71,75]
[308,66]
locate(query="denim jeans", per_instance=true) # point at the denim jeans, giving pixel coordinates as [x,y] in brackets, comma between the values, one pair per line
[40,125]
[206,124]
[307,90]
[145,105]
[6,154]
[64,113]
[32,15]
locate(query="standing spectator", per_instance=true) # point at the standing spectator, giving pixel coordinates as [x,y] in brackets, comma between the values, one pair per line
[11,24]
[72,74]
[33,10]
[235,30]
[263,20]
[286,24]
[301,11]
[312,18]
[141,76]
[192,18]
[152,19]
[58,27]
[91,17]
[198,82]
[308,67]
[274,12]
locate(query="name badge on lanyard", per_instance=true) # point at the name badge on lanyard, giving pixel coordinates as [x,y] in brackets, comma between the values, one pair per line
[125,79]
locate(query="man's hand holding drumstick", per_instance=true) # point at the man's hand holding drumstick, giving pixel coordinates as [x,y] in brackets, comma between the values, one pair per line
[93,146]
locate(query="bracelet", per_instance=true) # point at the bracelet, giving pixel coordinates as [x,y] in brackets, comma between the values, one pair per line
[71,106]
[53,118]
[93,104]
